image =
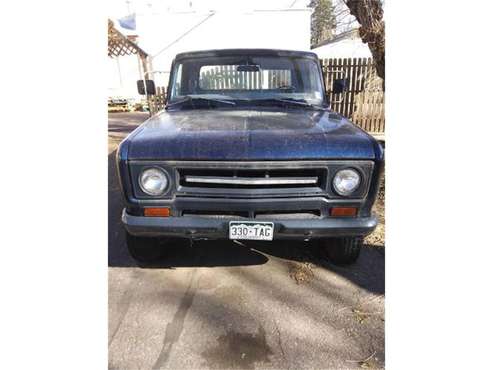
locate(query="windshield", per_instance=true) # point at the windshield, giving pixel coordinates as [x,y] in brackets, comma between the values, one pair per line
[248,78]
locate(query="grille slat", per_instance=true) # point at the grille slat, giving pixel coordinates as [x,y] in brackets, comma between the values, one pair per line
[240,182]
[251,181]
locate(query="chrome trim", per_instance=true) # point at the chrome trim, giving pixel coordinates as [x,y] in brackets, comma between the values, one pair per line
[341,193]
[166,175]
[251,180]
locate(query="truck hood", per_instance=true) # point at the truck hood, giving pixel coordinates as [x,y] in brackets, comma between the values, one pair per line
[248,134]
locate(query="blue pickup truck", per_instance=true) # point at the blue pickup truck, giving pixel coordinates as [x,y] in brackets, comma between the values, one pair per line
[247,148]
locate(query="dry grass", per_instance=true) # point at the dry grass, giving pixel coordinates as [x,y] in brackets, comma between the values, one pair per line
[301,272]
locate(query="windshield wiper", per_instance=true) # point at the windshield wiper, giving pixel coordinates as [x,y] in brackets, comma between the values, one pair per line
[191,99]
[302,103]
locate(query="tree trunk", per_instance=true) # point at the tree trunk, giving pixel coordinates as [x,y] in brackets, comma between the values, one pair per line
[369,14]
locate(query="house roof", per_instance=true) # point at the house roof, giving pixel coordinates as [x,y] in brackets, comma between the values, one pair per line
[352,34]
[347,45]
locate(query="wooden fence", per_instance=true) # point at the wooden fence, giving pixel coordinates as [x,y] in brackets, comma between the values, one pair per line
[363,101]
[158,101]
[229,78]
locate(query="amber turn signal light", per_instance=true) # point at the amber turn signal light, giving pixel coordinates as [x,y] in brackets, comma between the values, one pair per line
[343,211]
[156,212]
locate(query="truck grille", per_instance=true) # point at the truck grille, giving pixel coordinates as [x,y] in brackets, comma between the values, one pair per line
[248,182]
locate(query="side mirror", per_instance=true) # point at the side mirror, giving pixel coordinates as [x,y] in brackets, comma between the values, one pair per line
[149,87]
[339,86]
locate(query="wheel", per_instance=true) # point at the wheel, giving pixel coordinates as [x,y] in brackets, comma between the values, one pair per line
[144,249]
[341,251]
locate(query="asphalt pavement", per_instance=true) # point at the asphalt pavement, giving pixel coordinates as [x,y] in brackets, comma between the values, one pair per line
[227,305]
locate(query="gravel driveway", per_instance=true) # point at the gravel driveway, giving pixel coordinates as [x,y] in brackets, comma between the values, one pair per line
[222,305]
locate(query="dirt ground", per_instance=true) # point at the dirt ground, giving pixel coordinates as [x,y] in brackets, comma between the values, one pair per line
[377,238]
[223,305]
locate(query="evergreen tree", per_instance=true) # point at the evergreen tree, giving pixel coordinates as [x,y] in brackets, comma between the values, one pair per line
[322,22]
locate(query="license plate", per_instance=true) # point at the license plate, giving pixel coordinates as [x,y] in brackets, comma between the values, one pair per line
[250,230]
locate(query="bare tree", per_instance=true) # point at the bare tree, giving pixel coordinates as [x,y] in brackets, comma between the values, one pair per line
[369,14]
[345,22]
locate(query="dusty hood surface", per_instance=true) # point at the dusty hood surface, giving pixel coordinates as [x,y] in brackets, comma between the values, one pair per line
[248,134]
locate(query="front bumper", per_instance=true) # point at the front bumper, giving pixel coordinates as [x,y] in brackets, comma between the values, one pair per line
[198,227]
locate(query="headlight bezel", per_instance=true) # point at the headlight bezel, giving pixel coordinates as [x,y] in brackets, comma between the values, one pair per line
[139,195]
[355,190]
[156,169]
[365,169]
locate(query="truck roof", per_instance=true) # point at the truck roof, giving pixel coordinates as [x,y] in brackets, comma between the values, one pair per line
[229,52]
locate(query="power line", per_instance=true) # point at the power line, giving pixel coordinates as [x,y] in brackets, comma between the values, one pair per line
[292,4]
[186,33]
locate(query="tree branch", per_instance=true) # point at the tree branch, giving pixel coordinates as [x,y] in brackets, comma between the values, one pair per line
[369,14]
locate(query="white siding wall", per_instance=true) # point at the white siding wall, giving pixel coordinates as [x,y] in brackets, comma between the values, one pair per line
[123,72]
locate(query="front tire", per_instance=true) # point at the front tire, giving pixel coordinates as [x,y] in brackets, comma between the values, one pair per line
[341,251]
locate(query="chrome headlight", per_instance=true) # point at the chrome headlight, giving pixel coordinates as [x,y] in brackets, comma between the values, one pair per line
[153,181]
[346,181]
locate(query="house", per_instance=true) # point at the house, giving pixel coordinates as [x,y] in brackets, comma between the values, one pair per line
[167,32]
[345,45]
